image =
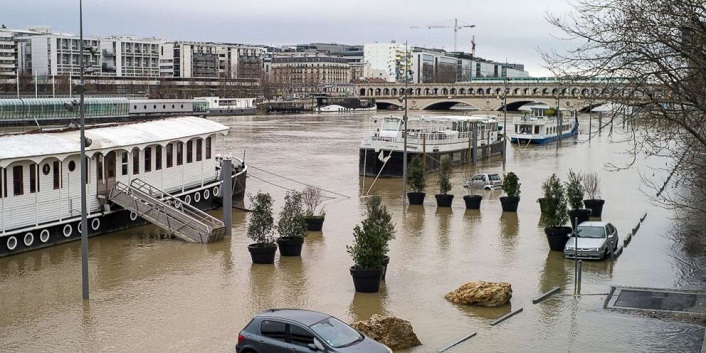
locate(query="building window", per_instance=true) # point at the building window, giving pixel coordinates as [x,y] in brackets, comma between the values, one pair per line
[17,182]
[135,161]
[189,151]
[148,159]
[33,178]
[199,150]
[170,155]
[180,153]
[208,148]
[56,167]
[158,157]
[123,163]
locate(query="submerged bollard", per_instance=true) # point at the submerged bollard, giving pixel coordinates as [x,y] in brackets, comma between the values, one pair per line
[578,279]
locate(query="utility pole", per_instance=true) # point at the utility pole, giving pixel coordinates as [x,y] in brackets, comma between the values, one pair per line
[404,118]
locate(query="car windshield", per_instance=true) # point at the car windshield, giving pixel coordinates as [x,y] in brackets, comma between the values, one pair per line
[591,232]
[336,333]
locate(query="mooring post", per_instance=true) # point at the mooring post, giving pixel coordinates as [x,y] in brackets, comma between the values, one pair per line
[227,194]
[578,281]
[474,153]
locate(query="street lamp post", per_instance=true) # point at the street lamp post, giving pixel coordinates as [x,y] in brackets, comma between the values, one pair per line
[404,118]
[505,89]
[80,89]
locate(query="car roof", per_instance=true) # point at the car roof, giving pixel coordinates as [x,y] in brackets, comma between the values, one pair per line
[593,224]
[302,316]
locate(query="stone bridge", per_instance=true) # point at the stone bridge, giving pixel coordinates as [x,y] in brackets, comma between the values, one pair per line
[488,94]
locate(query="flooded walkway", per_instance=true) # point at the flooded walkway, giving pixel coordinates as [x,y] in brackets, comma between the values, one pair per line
[150,294]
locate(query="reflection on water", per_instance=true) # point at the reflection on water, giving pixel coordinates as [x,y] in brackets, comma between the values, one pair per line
[155,294]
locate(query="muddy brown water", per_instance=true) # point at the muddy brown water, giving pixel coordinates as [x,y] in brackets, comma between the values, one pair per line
[151,295]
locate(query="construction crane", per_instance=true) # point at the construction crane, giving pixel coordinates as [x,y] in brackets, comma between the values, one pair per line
[455,27]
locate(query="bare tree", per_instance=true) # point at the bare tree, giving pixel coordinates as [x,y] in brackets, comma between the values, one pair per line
[649,55]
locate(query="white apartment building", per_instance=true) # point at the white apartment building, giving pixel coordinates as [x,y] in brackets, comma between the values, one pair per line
[8,56]
[127,56]
[59,55]
[387,61]
[210,60]
[301,73]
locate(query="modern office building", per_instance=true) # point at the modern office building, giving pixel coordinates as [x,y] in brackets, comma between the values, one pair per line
[8,56]
[127,56]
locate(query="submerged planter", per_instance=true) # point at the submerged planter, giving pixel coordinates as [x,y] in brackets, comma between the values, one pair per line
[366,281]
[290,246]
[596,206]
[557,237]
[262,253]
[509,203]
[314,223]
[472,201]
[444,200]
[579,216]
[416,198]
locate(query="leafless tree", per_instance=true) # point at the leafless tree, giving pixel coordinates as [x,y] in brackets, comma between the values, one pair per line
[648,54]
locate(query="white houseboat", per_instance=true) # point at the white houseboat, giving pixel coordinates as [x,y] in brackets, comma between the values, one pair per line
[382,149]
[229,106]
[542,126]
[40,191]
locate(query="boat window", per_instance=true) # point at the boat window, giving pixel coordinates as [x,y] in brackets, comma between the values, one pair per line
[56,166]
[88,170]
[199,150]
[170,155]
[3,188]
[180,153]
[17,182]
[33,178]
[148,159]
[189,151]
[72,166]
[158,157]
[123,163]
[135,161]
[208,148]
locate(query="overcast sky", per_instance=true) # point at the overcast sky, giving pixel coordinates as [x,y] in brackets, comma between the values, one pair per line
[506,30]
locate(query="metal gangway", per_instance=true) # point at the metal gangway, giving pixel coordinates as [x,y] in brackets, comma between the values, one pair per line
[167,212]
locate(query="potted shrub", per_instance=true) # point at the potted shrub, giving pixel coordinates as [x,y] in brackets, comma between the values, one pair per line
[574,193]
[592,186]
[261,229]
[416,180]
[312,199]
[555,213]
[443,198]
[291,225]
[370,246]
[472,199]
[511,186]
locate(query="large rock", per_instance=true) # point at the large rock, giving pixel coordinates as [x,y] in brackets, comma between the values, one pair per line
[481,293]
[390,331]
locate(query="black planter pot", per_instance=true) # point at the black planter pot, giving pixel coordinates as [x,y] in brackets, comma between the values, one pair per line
[579,216]
[289,246]
[596,206]
[557,237]
[262,254]
[384,266]
[444,200]
[366,281]
[509,203]
[472,201]
[314,223]
[416,198]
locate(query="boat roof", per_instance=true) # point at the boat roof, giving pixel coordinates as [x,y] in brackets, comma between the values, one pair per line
[61,143]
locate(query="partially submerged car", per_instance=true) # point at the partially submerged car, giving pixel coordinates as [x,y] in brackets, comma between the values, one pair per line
[594,241]
[299,330]
[486,181]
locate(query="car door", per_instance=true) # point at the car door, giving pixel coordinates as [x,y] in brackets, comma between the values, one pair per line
[301,338]
[273,337]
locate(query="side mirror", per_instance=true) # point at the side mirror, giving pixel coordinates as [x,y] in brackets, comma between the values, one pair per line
[316,346]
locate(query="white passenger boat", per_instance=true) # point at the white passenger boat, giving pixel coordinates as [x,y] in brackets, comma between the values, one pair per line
[40,187]
[435,137]
[229,106]
[542,126]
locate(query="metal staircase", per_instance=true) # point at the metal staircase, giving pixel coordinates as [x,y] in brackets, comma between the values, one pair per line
[168,212]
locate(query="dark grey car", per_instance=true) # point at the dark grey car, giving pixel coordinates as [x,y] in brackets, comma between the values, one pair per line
[299,330]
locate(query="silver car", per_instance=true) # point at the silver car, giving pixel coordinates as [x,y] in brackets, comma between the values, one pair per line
[486,181]
[595,241]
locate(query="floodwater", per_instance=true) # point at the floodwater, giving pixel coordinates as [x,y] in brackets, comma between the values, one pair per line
[153,295]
